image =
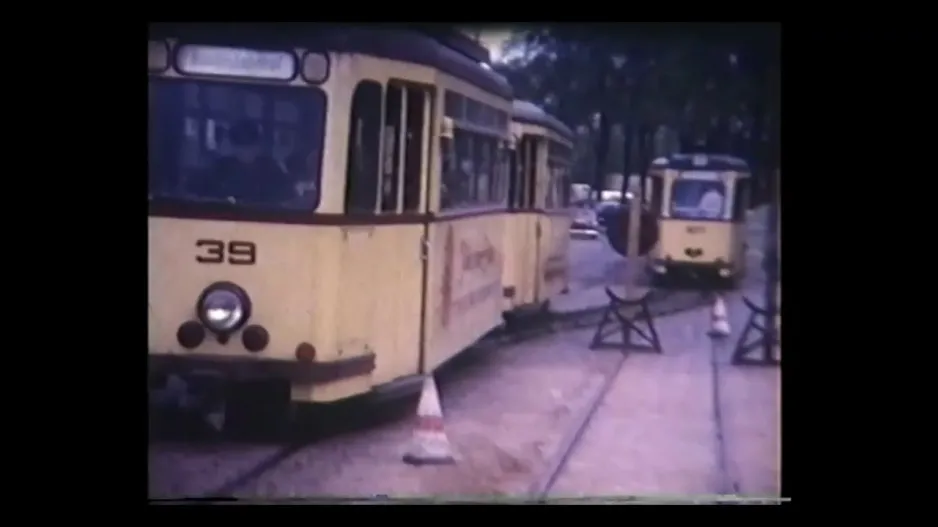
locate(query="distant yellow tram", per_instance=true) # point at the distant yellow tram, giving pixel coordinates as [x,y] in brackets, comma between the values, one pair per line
[330,208]
[700,202]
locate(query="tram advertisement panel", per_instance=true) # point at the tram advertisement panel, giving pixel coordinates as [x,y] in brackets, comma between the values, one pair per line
[467,276]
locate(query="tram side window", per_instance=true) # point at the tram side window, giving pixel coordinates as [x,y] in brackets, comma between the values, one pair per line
[485,158]
[741,198]
[552,173]
[465,167]
[364,145]
[458,184]
[450,176]
[390,176]
[502,171]
[454,105]
[413,160]
[474,166]
[515,183]
[528,149]
[558,162]
[566,180]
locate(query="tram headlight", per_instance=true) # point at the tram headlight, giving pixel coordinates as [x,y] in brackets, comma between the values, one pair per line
[223,307]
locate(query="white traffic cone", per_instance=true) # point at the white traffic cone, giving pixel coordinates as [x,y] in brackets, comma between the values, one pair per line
[719,323]
[430,444]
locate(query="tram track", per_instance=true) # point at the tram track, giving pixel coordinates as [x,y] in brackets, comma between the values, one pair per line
[541,487]
[368,416]
[726,485]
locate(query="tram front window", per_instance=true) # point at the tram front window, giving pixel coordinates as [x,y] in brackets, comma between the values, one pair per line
[250,145]
[697,199]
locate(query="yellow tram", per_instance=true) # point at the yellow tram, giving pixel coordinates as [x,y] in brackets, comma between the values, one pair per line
[330,207]
[539,198]
[700,202]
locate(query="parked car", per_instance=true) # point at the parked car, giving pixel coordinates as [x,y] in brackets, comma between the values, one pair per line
[606,210]
[585,223]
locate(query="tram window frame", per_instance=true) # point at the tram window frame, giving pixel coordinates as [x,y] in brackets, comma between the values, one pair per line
[742,189]
[362,182]
[391,130]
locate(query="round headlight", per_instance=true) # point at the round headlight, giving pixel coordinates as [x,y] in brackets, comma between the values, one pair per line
[223,307]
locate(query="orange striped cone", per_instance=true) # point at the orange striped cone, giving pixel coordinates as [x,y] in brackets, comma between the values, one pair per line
[430,444]
[719,323]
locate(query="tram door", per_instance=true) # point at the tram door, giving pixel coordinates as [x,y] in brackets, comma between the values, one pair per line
[531,237]
[412,151]
[389,278]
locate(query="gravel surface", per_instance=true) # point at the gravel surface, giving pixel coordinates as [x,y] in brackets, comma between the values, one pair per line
[505,411]
[178,470]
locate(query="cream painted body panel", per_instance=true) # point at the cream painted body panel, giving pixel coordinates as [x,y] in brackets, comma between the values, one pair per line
[722,241]
[293,286]
[554,266]
[380,297]
[464,288]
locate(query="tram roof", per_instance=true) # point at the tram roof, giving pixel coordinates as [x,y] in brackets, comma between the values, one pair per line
[692,161]
[530,113]
[420,47]
[459,41]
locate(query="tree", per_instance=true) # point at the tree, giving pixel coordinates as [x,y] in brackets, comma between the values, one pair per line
[710,89]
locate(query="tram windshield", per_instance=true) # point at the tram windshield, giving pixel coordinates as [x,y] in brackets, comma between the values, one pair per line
[251,145]
[698,199]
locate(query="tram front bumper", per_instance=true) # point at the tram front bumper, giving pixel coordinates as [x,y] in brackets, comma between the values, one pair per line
[701,269]
[243,368]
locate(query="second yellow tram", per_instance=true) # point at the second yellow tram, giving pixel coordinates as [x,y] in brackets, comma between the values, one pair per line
[700,202]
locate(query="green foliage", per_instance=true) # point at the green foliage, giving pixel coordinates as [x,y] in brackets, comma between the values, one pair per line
[657,93]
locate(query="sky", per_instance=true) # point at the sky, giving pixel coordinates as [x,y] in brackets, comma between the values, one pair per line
[493,39]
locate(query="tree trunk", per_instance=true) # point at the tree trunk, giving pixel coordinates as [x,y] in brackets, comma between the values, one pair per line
[754,154]
[602,148]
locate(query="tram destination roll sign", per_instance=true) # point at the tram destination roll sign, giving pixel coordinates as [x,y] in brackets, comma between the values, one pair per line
[236,62]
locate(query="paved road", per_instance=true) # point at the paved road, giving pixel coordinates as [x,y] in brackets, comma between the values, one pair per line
[656,432]
[593,263]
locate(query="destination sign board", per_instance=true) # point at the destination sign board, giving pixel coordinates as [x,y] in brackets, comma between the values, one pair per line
[236,62]
[701,175]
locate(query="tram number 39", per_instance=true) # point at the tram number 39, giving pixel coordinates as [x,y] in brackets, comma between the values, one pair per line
[215,251]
